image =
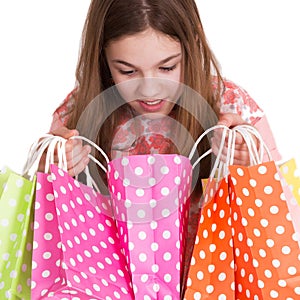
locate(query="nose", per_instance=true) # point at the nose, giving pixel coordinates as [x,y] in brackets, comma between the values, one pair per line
[149,87]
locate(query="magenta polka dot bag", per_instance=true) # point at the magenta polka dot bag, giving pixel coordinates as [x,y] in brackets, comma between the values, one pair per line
[76,250]
[77,254]
[150,196]
[150,204]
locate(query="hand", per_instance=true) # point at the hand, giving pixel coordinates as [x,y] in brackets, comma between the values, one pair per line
[76,153]
[241,152]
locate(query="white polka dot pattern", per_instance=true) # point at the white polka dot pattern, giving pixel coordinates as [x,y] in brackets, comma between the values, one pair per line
[76,252]
[290,182]
[265,242]
[291,174]
[267,250]
[16,220]
[211,273]
[151,200]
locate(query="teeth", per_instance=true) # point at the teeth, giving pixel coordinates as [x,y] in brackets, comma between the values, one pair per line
[152,102]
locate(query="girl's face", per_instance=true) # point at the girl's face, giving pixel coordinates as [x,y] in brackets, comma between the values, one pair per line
[146,67]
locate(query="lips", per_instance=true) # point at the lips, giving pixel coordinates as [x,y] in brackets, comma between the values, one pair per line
[152,102]
[152,105]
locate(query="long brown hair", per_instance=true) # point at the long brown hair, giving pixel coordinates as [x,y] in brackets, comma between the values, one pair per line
[109,20]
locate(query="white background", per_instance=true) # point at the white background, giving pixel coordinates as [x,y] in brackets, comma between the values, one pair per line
[255,41]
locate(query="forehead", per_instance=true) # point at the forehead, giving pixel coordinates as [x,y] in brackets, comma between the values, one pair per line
[143,47]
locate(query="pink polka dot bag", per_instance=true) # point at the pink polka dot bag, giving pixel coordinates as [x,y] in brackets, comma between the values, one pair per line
[150,196]
[76,254]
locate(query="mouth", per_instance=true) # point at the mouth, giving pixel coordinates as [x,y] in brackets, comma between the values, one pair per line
[151,103]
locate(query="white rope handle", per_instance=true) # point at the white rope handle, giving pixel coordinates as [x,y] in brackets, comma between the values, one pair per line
[45,144]
[248,133]
[33,154]
[51,144]
[59,144]
[98,148]
[194,148]
[256,154]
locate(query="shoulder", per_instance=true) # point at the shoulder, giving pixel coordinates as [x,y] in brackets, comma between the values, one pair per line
[61,113]
[235,99]
[65,107]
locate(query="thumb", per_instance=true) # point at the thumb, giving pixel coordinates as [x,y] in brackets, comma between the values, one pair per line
[230,120]
[65,132]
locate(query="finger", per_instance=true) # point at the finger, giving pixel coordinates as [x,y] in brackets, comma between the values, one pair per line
[218,135]
[215,147]
[242,159]
[241,154]
[73,147]
[65,132]
[230,120]
[79,167]
[77,154]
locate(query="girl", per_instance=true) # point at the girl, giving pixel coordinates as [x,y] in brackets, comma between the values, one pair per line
[152,54]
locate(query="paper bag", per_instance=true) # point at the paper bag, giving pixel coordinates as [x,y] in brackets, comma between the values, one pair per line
[266,244]
[211,273]
[77,254]
[16,228]
[150,201]
[291,175]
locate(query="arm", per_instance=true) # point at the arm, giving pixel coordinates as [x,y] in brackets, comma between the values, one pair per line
[76,153]
[237,108]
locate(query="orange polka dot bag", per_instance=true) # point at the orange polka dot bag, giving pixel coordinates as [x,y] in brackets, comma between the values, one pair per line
[259,258]
[211,272]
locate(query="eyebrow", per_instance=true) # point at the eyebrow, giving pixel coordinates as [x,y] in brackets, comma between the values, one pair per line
[161,62]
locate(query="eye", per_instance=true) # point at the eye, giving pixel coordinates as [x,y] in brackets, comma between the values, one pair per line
[128,73]
[168,69]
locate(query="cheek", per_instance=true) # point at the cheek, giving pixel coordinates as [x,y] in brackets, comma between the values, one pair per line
[127,89]
[178,75]
[116,76]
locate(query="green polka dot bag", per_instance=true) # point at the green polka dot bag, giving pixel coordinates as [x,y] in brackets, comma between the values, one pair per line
[16,234]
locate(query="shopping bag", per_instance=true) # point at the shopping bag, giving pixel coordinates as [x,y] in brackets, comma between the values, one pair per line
[291,175]
[150,196]
[16,219]
[266,244]
[211,272]
[77,253]
[264,241]
[290,182]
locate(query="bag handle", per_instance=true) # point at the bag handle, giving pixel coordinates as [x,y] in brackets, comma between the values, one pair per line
[97,148]
[248,133]
[47,143]
[256,155]
[89,179]
[200,138]
[50,143]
